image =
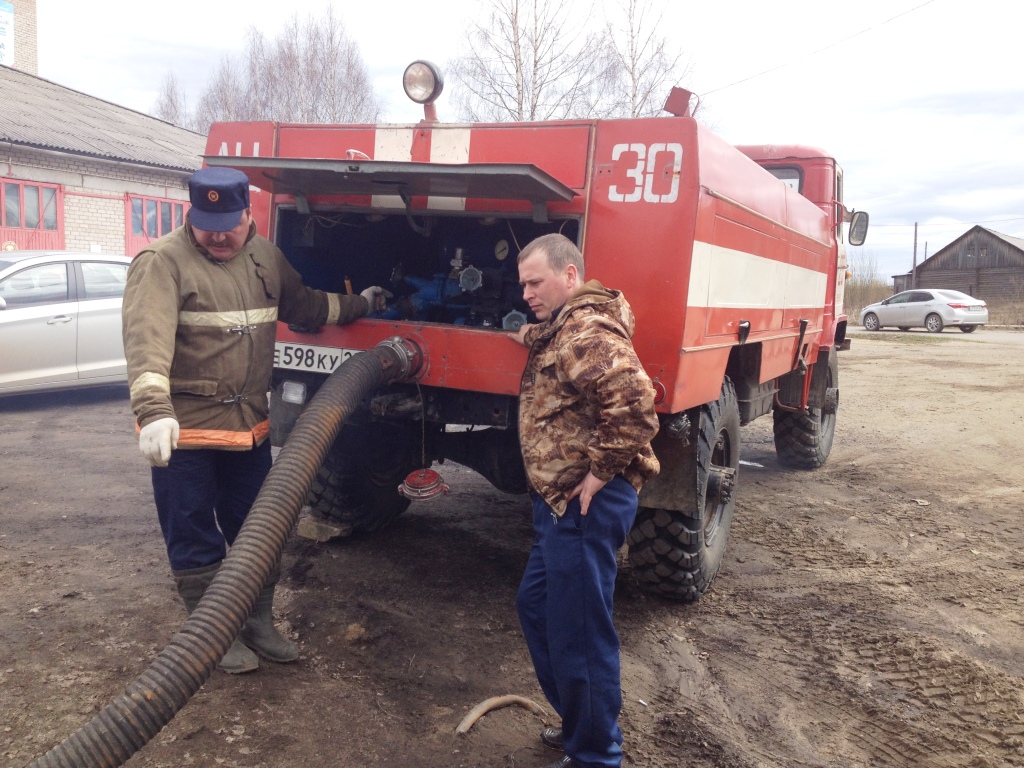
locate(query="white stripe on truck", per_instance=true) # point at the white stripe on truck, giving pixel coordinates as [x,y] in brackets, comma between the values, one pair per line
[394,144]
[723,277]
[449,146]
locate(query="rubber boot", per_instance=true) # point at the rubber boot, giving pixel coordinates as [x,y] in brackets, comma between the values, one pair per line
[192,585]
[259,632]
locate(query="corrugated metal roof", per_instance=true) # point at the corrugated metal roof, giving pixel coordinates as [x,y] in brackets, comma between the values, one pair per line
[1016,242]
[40,113]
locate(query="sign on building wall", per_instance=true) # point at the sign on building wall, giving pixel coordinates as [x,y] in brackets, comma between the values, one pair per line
[6,33]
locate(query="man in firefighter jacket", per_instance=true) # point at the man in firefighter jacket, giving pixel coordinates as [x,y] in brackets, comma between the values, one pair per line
[199,317]
[586,420]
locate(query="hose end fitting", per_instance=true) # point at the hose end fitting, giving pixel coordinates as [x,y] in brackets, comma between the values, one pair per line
[408,356]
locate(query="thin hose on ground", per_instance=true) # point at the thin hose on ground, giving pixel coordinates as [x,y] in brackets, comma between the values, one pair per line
[132,719]
[493,703]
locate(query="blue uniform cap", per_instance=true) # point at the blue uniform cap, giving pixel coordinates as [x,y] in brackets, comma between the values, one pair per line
[218,196]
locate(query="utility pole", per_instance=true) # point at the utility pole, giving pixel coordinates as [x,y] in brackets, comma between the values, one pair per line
[913,270]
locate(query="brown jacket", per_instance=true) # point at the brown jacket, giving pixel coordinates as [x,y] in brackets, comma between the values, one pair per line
[586,403]
[199,335]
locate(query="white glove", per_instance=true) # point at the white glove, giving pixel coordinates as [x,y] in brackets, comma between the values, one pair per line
[376,297]
[157,439]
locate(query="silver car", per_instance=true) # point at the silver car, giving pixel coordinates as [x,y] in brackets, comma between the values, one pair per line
[932,309]
[60,320]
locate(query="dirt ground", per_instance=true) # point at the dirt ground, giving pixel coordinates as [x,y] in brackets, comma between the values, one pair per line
[868,614]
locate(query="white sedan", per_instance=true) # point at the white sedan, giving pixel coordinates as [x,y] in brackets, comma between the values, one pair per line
[60,320]
[932,309]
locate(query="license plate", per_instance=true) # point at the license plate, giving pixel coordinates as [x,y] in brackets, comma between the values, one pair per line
[307,357]
[975,308]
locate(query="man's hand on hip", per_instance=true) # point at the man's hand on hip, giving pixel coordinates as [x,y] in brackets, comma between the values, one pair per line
[157,439]
[586,490]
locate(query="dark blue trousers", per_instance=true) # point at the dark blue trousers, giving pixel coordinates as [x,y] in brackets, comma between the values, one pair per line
[202,498]
[565,608]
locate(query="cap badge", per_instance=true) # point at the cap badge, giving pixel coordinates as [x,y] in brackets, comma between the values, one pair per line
[212,196]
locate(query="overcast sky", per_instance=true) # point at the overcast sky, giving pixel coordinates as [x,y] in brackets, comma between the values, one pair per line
[921,101]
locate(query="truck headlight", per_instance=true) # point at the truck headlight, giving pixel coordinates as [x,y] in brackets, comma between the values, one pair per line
[423,82]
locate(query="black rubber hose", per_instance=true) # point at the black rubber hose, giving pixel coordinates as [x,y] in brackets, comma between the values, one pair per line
[132,719]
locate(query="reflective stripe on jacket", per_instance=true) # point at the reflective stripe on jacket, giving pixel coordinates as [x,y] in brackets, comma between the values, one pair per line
[199,335]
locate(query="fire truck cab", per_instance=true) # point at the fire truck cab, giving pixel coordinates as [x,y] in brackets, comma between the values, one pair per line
[732,259]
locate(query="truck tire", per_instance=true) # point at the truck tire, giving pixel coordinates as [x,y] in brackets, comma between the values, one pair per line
[804,441]
[677,554]
[358,482]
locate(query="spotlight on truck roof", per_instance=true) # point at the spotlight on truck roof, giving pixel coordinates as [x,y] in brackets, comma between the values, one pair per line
[423,82]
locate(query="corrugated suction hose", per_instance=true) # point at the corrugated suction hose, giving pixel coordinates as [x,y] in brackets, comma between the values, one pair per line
[128,723]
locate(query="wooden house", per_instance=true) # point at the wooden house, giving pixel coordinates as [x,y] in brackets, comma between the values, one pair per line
[981,262]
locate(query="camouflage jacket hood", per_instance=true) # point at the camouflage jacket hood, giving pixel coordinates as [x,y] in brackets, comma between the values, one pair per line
[586,403]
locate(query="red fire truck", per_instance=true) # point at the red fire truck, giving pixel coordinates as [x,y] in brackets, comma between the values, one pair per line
[732,258]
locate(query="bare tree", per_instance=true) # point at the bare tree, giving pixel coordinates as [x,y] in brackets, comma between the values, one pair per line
[222,99]
[528,60]
[864,266]
[644,66]
[311,72]
[867,284]
[340,87]
[171,104]
[531,60]
[259,60]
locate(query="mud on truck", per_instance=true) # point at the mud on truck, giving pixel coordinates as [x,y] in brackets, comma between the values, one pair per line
[732,258]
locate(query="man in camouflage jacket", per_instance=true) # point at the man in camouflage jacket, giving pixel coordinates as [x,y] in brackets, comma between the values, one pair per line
[586,420]
[200,313]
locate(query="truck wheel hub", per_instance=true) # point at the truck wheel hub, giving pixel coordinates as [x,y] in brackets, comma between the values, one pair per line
[721,482]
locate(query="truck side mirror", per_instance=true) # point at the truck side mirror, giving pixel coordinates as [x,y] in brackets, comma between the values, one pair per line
[858,227]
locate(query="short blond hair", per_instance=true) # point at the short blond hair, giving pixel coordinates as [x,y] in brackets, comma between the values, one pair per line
[560,250]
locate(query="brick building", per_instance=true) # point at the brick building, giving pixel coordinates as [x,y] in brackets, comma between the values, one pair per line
[26,53]
[79,173]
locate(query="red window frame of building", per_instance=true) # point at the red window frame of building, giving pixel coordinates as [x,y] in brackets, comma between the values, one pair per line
[13,232]
[148,218]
